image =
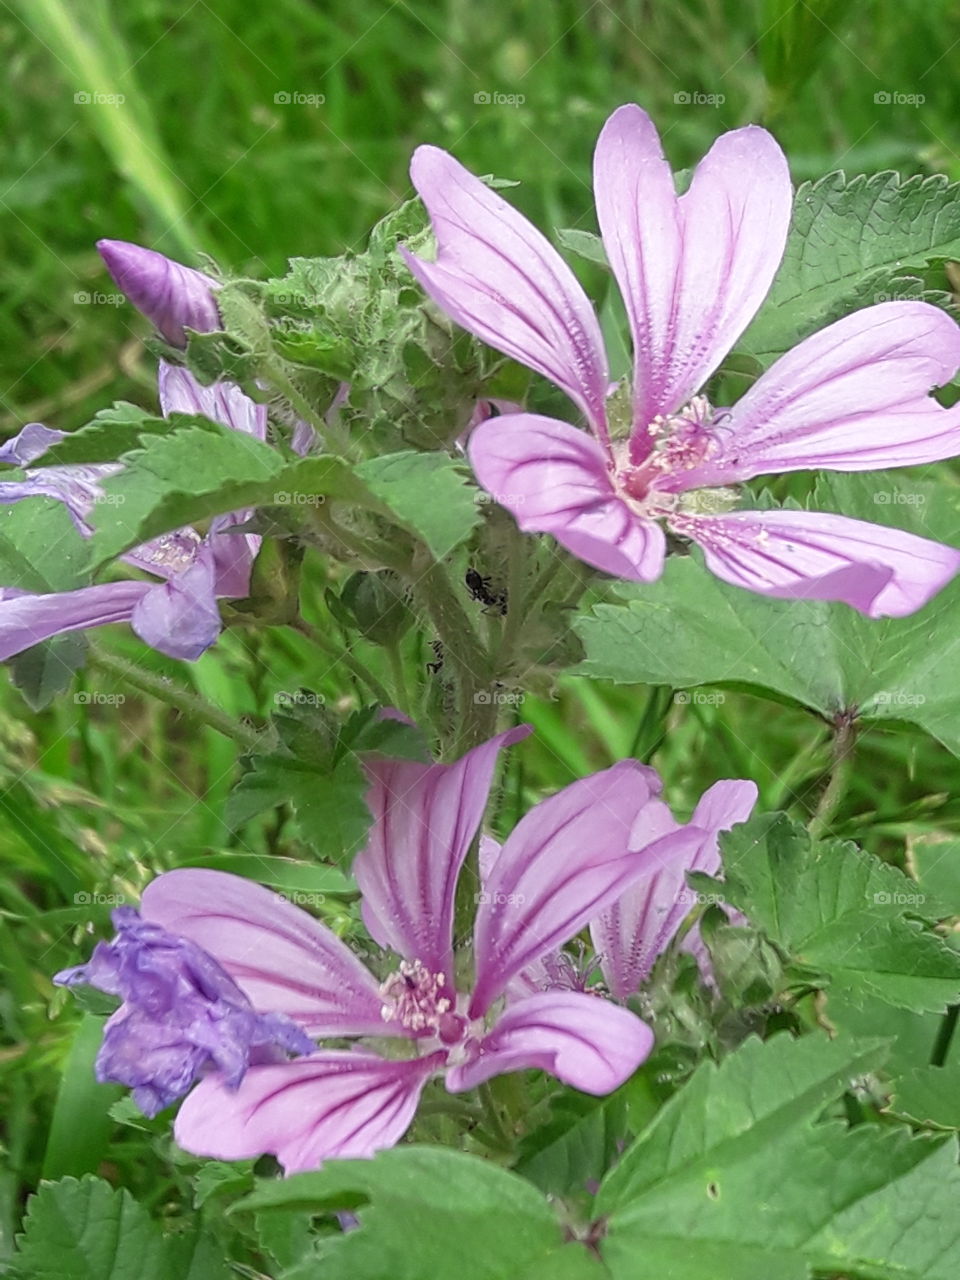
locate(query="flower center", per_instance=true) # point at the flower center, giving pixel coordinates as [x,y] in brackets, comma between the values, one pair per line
[679,442]
[171,552]
[412,996]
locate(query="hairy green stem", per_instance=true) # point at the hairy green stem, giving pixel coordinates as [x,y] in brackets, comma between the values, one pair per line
[398,678]
[177,696]
[334,439]
[846,728]
[518,608]
[353,664]
[491,1115]
[477,708]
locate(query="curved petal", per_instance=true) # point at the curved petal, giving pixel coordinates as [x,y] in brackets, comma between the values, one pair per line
[280,957]
[26,619]
[583,1040]
[499,278]
[693,269]
[222,401]
[233,555]
[812,555]
[425,817]
[854,397]
[630,934]
[555,479]
[169,294]
[566,859]
[722,806]
[334,1104]
[180,617]
[30,443]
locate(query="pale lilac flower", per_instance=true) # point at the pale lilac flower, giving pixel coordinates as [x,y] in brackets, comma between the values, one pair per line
[567,860]
[178,615]
[181,1015]
[693,271]
[634,930]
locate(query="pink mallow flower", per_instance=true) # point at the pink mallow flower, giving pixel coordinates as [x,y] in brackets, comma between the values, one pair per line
[567,860]
[693,271]
[634,930]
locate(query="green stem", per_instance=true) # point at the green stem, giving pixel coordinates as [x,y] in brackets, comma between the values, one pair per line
[491,1117]
[177,696]
[332,436]
[846,729]
[346,656]
[462,647]
[449,1107]
[399,678]
[518,607]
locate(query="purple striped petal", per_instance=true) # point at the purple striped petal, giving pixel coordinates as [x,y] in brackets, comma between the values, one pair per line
[170,295]
[635,929]
[561,865]
[425,818]
[555,479]
[854,397]
[27,619]
[693,270]
[284,960]
[222,401]
[331,1105]
[234,553]
[583,1040]
[499,278]
[811,555]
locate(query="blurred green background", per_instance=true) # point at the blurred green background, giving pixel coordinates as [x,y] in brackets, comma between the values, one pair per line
[221,144]
[201,154]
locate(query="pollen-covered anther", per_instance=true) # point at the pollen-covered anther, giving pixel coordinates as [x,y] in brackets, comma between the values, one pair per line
[411,996]
[682,439]
[172,551]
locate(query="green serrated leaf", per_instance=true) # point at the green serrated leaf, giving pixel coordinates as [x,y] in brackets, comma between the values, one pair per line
[200,469]
[329,807]
[840,914]
[854,242]
[735,1110]
[577,1144]
[427,1213]
[428,494]
[46,670]
[88,1231]
[111,433]
[164,482]
[736,1177]
[41,549]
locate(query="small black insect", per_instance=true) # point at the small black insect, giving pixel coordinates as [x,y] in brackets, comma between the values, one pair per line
[480,589]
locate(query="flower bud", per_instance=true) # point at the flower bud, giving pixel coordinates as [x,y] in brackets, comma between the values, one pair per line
[172,296]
